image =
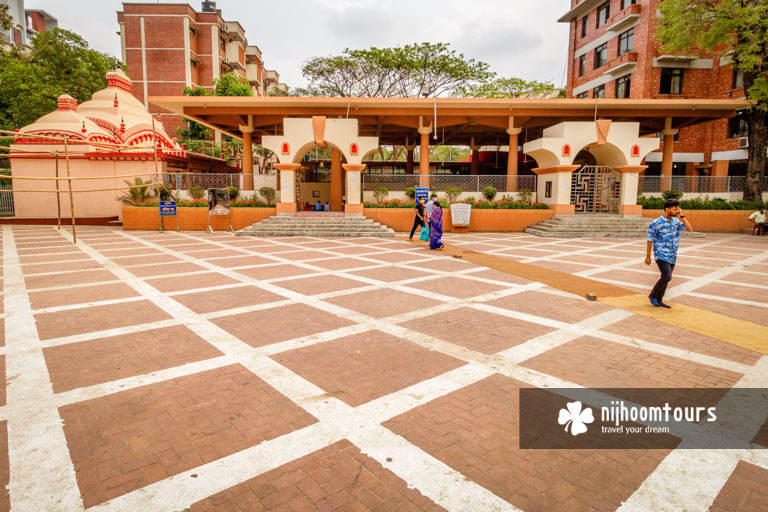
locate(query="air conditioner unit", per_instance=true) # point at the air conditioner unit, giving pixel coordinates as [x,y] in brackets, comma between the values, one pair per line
[743,142]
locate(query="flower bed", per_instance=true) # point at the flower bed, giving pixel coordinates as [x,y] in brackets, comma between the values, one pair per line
[715,203]
[712,220]
[488,219]
[498,204]
[251,203]
[193,218]
[199,203]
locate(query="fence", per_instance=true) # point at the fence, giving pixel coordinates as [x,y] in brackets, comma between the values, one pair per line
[6,200]
[187,180]
[694,184]
[439,182]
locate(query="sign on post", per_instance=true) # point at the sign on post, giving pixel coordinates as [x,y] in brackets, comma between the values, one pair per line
[460,214]
[422,193]
[167,208]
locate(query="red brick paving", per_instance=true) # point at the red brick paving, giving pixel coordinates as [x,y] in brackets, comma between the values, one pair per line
[239,261]
[80,295]
[69,278]
[337,477]
[77,365]
[165,269]
[469,328]
[755,314]
[40,268]
[128,440]
[97,318]
[319,284]
[734,291]
[475,431]
[390,274]
[228,298]
[275,271]
[745,491]
[2,380]
[5,498]
[594,363]
[190,282]
[563,309]
[263,327]
[359,368]
[341,263]
[457,287]
[383,302]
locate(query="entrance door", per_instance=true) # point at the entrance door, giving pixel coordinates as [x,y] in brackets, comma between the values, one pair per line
[595,189]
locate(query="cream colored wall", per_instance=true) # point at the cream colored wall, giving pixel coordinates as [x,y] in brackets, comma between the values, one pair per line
[306,193]
[561,188]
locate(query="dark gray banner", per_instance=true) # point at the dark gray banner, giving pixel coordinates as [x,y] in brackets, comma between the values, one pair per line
[643,418]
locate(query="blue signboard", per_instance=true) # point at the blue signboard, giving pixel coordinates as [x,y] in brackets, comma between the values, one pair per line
[422,193]
[167,208]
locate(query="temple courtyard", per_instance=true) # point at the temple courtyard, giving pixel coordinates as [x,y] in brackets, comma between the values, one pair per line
[169,371]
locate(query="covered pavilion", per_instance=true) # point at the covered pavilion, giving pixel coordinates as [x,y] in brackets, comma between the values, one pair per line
[617,133]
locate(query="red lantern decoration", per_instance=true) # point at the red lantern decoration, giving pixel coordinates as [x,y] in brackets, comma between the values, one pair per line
[83,126]
[566,150]
[353,148]
[285,149]
[116,103]
[635,150]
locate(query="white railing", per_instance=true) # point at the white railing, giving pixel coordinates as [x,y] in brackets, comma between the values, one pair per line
[694,184]
[439,182]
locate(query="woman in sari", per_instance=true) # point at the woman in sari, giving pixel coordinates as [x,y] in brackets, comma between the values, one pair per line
[436,227]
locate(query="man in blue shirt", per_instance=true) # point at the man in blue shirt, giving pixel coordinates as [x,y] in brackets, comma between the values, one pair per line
[664,238]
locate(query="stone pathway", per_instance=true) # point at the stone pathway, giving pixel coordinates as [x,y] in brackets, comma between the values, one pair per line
[167,371]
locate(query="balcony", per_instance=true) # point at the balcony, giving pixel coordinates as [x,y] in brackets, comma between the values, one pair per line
[253,73]
[234,31]
[623,64]
[623,19]
[233,56]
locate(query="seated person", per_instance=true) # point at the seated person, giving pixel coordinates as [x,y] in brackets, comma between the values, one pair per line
[318,206]
[758,219]
[307,207]
[327,207]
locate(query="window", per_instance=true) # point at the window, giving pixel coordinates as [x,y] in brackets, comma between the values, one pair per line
[584,21]
[582,64]
[738,78]
[191,31]
[626,3]
[599,91]
[582,96]
[625,41]
[671,81]
[622,86]
[548,189]
[737,126]
[193,63]
[603,13]
[601,55]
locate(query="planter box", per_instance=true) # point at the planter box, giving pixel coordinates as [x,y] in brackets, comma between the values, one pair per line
[192,219]
[731,221]
[401,219]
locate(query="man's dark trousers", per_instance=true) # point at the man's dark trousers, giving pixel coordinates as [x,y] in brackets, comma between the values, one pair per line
[416,222]
[660,288]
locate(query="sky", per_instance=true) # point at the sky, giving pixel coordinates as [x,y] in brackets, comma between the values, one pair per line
[519,38]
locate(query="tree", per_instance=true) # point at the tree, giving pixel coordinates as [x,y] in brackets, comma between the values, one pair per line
[408,72]
[58,62]
[194,131]
[6,20]
[232,84]
[738,26]
[507,88]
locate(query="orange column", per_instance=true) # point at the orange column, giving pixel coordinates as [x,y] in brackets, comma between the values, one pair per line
[247,161]
[424,157]
[475,163]
[336,180]
[512,159]
[667,155]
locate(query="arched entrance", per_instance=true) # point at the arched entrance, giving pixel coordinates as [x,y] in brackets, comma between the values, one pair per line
[595,189]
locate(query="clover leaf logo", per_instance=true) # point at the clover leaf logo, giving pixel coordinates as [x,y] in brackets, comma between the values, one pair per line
[575,417]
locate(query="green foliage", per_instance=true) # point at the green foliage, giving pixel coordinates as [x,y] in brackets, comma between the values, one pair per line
[701,203]
[507,88]
[251,203]
[453,193]
[6,21]
[411,192]
[738,27]
[196,192]
[380,194]
[500,204]
[139,192]
[194,131]
[233,193]
[232,84]
[268,193]
[672,194]
[402,71]
[526,195]
[58,62]
[489,193]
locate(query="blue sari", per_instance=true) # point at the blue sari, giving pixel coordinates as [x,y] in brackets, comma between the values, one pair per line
[436,228]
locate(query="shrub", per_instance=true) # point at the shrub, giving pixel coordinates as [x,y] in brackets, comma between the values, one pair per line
[233,193]
[196,192]
[672,194]
[250,203]
[411,192]
[453,193]
[380,194]
[139,192]
[489,193]
[197,203]
[701,203]
[268,193]
[526,195]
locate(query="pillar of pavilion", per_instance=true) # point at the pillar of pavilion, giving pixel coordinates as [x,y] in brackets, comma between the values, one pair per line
[287,177]
[474,165]
[667,154]
[409,156]
[353,171]
[336,181]
[512,156]
[424,132]
[247,131]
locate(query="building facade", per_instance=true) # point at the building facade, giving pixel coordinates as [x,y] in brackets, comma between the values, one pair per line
[613,54]
[166,47]
[26,23]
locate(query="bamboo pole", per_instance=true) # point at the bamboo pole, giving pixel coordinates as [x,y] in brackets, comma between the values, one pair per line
[58,196]
[154,148]
[71,196]
[95,189]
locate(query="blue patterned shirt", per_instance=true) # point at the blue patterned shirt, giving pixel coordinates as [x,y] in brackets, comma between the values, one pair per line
[665,235]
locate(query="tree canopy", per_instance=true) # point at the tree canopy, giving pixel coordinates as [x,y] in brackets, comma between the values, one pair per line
[738,27]
[58,62]
[232,84]
[507,88]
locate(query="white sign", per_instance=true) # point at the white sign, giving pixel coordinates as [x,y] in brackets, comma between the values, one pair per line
[460,213]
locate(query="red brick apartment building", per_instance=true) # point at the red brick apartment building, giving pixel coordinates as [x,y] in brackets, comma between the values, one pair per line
[167,47]
[613,54]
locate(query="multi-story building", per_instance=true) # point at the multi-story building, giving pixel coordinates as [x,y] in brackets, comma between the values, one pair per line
[613,54]
[26,23]
[166,47]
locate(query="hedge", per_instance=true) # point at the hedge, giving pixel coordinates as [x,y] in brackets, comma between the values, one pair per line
[706,203]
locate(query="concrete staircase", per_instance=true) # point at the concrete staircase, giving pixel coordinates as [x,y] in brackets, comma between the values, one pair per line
[595,225]
[316,224]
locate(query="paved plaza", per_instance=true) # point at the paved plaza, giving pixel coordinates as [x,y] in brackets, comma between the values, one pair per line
[149,371]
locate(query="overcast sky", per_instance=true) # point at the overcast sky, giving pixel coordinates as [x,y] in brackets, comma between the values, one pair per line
[518,38]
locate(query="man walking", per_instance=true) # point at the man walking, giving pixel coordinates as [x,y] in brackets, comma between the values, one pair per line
[664,238]
[419,218]
[430,205]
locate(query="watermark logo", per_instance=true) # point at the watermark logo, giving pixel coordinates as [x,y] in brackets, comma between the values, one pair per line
[575,417]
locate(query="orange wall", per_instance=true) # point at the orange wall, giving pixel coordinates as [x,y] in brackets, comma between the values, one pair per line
[401,219]
[192,219]
[712,220]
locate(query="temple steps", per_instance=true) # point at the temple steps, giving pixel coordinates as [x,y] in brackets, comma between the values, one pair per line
[595,225]
[317,224]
